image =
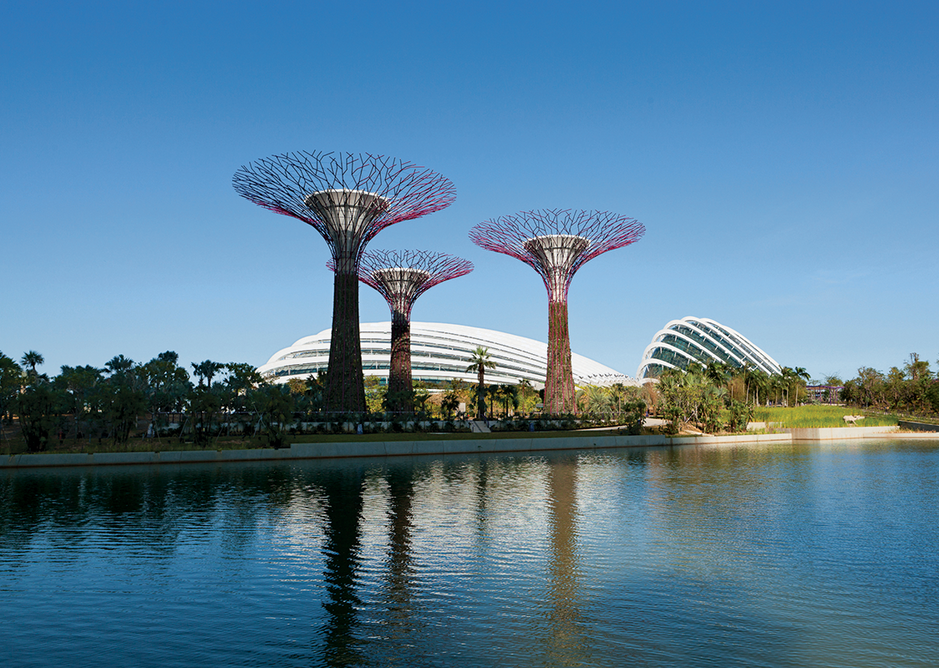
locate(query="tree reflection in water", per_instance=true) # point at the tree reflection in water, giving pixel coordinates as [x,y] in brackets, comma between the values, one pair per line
[342,490]
[566,640]
[684,556]
[400,568]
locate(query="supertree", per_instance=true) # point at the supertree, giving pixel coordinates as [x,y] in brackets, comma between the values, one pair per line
[348,198]
[401,277]
[556,243]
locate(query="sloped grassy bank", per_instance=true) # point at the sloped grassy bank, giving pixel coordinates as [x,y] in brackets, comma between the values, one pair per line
[817,417]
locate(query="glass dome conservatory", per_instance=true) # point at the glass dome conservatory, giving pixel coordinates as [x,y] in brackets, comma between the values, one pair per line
[439,352]
[700,340]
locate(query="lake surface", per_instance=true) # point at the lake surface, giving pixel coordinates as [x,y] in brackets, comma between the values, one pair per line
[773,555]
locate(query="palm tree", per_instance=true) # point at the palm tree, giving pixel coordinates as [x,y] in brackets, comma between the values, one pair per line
[785,382]
[721,374]
[760,381]
[206,370]
[119,364]
[32,359]
[800,374]
[480,360]
[450,402]
[595,401]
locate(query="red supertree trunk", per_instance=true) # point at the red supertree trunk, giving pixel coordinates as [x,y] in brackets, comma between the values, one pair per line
[345,386]
[559,384]
[399,373]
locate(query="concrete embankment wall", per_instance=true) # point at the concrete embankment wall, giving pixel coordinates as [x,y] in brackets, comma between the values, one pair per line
[838,433]
[342,450]
[335,450]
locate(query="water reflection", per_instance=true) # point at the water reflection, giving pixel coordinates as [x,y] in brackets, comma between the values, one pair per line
[401,572]
[753,555]
[342,492]
[566,639]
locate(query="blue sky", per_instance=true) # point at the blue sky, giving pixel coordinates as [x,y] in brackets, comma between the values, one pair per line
[782,156]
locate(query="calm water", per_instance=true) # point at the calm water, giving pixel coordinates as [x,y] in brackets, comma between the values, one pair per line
[822,555]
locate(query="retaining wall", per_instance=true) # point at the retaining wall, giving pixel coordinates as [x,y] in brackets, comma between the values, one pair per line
[838,433]
[338,450]
[333,450]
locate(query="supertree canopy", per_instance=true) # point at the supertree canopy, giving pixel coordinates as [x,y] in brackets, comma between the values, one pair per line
[556,243]
[348,198]
[401,277]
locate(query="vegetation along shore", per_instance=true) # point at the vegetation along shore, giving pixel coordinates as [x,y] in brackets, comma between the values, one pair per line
[130,406]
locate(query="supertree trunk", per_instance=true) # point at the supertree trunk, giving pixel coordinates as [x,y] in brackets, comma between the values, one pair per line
[399,373]
[345,386]
[559,383]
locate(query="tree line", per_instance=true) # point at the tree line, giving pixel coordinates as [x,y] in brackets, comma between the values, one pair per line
[161,398]
[86,402]
[912,388]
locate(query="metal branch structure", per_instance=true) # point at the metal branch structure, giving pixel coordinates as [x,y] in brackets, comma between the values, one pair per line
[556,243]
[348,198]
[401,277]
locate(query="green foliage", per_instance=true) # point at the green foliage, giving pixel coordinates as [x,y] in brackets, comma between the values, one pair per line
[740,414]
[37,410]
[617,404]
[632,413]
[691,397]
[421,395]
[528,397]
[122,397]
[909,389]
[242,376]
[204,404]
[11,379]
[933,395]
[275,404]
[708,396]
[450,403]
[386,401]
[594,400]
[167,383]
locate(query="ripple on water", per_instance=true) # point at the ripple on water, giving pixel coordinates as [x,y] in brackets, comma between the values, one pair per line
[752,556]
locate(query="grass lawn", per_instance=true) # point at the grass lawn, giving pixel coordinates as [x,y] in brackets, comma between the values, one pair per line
[820,416]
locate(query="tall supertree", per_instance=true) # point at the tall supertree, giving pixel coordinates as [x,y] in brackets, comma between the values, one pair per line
[401,277]
[348,198]
[556,243]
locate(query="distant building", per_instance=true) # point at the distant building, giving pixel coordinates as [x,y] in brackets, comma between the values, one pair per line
[700,340]
[439,352]
[824,394]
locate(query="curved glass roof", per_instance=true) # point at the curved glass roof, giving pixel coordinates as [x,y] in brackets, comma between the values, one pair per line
[700,340]
[439,352]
